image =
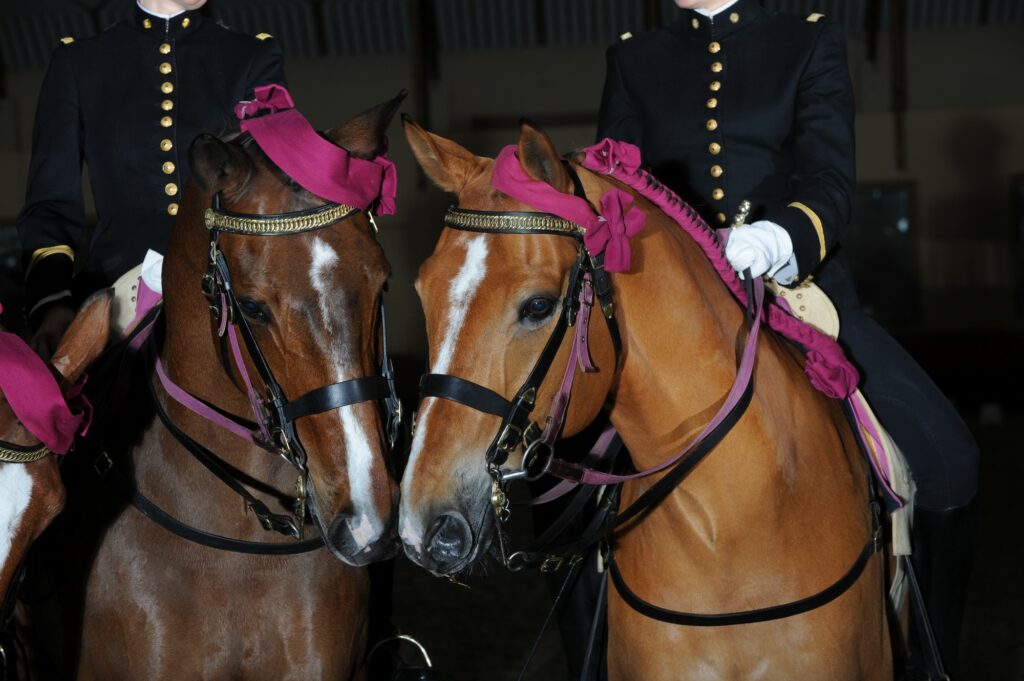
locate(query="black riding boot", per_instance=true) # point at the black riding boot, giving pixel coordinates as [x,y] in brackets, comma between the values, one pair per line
[943,545]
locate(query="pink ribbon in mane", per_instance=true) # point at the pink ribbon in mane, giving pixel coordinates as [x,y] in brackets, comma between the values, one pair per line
[828,368]
[317,164]
[36,399]
[607,232]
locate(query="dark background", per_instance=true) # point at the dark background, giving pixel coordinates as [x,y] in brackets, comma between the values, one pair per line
[936,238]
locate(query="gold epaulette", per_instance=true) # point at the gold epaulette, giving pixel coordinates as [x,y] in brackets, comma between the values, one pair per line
[67,40]
[263,36]
[813,18]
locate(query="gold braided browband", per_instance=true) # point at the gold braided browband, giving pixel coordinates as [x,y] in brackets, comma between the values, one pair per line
[269,225]
[510,223]
[22,456]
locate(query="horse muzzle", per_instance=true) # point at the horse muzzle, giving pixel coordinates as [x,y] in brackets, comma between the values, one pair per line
[354,541]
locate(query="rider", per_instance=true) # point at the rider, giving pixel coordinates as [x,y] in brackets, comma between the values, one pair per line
[736,102]
[129,101]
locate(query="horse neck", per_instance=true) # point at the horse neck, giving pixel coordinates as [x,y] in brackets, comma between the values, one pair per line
[191,357]
[680,328]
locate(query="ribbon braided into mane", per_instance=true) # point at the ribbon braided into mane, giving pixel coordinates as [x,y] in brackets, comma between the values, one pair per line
[828,368]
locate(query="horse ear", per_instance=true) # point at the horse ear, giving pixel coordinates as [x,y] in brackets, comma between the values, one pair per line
[218,166]
[364,135]
[447,163]
[86,338]
[540,160]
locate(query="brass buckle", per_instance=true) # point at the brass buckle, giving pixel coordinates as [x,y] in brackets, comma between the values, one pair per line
[509,439]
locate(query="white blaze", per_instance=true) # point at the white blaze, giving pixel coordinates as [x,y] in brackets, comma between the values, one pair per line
[461,293]
[15,494]
[358,452]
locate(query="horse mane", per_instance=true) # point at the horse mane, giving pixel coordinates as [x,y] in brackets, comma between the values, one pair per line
[825,357]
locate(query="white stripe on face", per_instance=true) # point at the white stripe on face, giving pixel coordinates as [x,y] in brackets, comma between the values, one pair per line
[15,494]
[460,295]
[366,525]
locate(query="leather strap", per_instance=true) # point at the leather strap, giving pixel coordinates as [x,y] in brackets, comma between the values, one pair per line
[464,392]
[768,614]
[337,395]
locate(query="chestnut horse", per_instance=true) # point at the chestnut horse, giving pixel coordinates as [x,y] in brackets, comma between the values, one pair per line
[777,512]
[159,606]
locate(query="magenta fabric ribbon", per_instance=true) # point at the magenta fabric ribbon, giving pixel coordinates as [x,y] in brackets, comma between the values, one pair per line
[317,164]
[33,393]
[606,233]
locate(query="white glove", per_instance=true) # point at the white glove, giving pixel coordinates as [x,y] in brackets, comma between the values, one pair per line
[764,248]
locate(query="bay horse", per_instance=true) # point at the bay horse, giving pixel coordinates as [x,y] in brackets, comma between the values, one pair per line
[32,492]
[302,278]
[776,513]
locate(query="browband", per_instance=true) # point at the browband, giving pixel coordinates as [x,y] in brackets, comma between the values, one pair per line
[277,223]
[12,453]
[510,222]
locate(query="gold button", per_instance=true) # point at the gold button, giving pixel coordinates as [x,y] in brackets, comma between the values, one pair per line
[168,167]
[721,218]
[712,124]
[165,68]
[718,194]
[167,88]
[147,23]
[734,18]
[165,48]
[166,145]
[715,47]
[712,103]
[166,121]
[716,85]
[167,105]
[172,209]
[171,189]
[185,22]
[715,148]
[716,171]
[716,67]
[695,23]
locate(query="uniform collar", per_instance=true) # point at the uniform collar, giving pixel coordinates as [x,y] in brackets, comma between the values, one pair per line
[177,26]
[736,17]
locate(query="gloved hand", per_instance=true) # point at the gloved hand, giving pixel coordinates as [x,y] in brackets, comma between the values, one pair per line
[764,248]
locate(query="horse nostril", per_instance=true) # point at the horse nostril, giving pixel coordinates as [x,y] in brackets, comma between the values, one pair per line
[450,539]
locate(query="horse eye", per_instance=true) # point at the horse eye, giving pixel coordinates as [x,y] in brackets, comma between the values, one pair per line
[254,311]
[537,309]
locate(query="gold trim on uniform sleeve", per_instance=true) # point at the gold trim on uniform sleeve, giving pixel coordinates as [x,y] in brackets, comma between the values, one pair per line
[40,253]
[816,221]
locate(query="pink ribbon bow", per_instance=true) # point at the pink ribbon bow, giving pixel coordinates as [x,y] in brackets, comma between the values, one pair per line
[607,233]
[32,391]
[317,164]
[608,154]
[619,220]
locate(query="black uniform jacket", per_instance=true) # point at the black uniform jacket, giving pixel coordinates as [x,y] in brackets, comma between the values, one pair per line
[129,102]
[751,104]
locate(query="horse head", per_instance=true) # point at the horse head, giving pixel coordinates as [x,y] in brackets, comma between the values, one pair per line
[491,301]
[312,300]
[32,493]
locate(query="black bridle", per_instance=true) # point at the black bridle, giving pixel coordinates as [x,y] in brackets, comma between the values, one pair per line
[517,429]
